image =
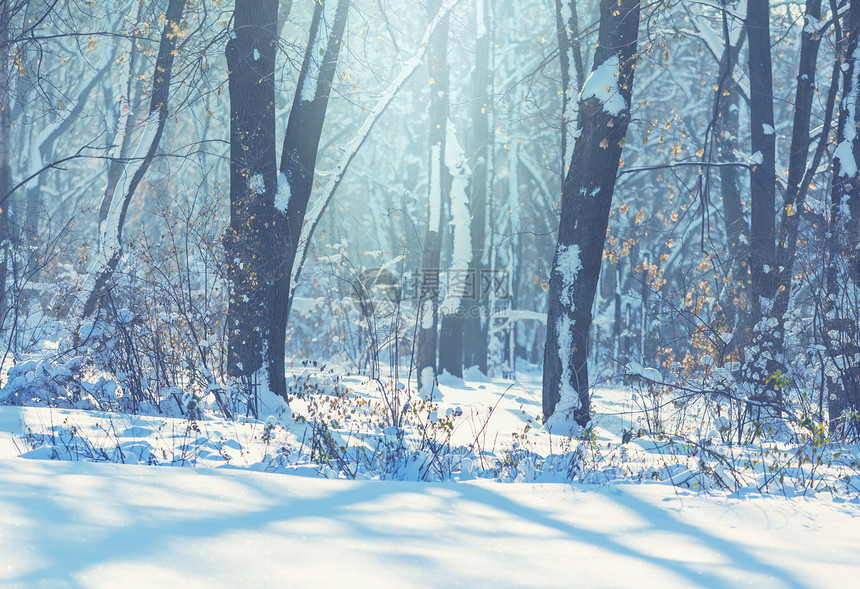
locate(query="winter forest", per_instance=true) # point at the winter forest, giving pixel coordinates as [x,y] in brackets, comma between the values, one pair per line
[594,242]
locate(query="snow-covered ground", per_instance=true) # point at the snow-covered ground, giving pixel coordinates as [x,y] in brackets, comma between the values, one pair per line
[108,525]
[96,523]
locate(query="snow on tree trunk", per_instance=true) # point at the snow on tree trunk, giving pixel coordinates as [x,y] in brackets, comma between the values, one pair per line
[460,285]
[604,108]
[572,69]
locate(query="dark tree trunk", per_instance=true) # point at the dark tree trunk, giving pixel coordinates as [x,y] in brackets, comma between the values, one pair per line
[298,160]
[586,200]
[798,169]
[761,347]
[477,146]
[763,146]
[253,181]
[428,306]
[268,204]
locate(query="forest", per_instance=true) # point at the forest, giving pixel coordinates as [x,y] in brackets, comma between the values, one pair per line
[647,211]
[607,243]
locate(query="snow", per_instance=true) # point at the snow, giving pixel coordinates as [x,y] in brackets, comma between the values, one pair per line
[567,20]
[561,422]
[94,525]
[568,265]
[813,26]
[256,184]
[318,50]
[646,373]
[461,256]
[282,196]
[844,153]
[435,188]
[602,83]
[427,313]
[190,531]
[428,381]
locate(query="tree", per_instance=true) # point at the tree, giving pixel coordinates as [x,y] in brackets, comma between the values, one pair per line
[428,307]
[6,13]
[572,68]
[460,283]
[127,174]
[843,263]
[268,203]
[774,246]
[762,184]
[479,154]
[604,114]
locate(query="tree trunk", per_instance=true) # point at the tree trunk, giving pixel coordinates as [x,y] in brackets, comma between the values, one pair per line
[253,180]
[736,226]
[5,146]
[475,332]
[459,287]
[763,146]
[268,203]
[843,271]
[572,69]
[798,171]
[604,109]
[115,206]
[428,308]
[298,161]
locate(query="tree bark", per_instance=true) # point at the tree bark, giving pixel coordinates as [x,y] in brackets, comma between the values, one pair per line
[798,169]
[250,56]
[604,109]
[763,146]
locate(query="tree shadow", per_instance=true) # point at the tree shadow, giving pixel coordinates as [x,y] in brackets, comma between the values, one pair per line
[385,522]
